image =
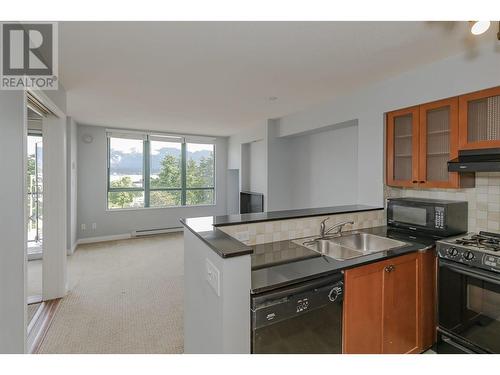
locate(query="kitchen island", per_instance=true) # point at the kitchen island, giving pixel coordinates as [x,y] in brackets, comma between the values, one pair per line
[230,258]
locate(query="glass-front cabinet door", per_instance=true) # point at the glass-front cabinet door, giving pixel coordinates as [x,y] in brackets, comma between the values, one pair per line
[438,143]
[479,120]
[403,147]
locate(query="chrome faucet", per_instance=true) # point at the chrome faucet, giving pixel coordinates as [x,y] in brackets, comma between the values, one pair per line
[323,231]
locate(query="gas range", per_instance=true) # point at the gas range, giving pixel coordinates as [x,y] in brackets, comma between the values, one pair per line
[480,250]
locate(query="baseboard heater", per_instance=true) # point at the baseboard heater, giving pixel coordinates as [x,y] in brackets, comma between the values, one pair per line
[150,232]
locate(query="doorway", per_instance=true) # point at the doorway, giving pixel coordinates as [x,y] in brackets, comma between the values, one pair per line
[34,201]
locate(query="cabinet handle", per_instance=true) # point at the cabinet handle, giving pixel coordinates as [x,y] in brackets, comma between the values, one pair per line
[415,181]
[389,268]
[422,182]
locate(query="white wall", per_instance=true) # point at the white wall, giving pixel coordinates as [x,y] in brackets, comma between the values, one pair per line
[279,169]
[442,79]
[233,191]
[325,168]
[240,158]
[258,167]
[215,323]
[92,161]
[245,167]
[13,135]
[313,169]
[253,133]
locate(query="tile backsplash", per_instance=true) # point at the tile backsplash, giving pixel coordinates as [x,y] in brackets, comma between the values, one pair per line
[484,200]
[281,230]
[483,207]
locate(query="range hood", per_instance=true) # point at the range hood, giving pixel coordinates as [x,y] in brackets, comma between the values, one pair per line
[481,160]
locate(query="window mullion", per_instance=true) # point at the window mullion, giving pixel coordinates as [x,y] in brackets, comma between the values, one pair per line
[147,172]
[183,174]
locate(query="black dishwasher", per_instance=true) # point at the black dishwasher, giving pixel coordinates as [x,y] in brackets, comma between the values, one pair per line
[303,318]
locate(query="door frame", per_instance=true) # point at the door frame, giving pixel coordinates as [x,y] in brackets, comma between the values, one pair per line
[54,281]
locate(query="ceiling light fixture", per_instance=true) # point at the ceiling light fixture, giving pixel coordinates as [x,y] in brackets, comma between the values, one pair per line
[479,27]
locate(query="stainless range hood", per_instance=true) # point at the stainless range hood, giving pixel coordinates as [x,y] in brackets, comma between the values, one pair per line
[481,160]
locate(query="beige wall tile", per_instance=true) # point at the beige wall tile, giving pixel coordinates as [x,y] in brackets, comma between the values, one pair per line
[484,199]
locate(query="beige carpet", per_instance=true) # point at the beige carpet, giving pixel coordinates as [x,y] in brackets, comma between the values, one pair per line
[125,297]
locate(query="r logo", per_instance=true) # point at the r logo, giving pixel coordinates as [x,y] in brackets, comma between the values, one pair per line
[28,55]
[27,49]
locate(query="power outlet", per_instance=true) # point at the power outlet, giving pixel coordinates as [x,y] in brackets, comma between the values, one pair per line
[84,227]
[213,276]
[94,226]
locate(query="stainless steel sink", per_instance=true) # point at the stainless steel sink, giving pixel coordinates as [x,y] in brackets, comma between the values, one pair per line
[367,243]
[332,250]
[350,245]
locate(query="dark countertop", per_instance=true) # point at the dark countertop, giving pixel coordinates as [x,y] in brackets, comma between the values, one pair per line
[222,243]
[279,272]
[226,246]
[290,214]
[274,253]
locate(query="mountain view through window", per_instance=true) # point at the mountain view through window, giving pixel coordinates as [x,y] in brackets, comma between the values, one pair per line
[155,173]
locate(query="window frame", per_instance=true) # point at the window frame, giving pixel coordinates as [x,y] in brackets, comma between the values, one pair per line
[146,176]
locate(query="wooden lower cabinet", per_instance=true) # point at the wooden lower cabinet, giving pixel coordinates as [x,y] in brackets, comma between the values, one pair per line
[386,309]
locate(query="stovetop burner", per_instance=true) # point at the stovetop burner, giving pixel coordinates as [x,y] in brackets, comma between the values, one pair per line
[483,240]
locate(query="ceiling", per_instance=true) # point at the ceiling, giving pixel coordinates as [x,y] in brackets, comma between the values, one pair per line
[217,78]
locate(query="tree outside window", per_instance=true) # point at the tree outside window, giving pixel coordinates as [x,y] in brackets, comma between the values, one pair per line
[156,173]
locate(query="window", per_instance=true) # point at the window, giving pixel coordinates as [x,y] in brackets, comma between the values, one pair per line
[165,174]
[126,171]
[159,171]
[199,173]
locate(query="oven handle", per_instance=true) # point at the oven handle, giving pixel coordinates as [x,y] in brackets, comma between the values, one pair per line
[464,270]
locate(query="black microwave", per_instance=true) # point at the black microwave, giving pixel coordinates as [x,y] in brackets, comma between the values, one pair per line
[435,217]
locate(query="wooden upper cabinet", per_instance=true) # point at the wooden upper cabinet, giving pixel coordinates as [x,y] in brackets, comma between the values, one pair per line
[438,143]
[403,147]
[479,119]
[420,142]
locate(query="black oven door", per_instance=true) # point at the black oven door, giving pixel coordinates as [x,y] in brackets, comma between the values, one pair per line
[469,306]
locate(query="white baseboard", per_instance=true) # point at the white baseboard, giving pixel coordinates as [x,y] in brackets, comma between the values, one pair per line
[150,232]
[114,237]
[124,236]
[72,249]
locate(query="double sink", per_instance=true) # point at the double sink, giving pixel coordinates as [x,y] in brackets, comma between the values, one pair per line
[349,245]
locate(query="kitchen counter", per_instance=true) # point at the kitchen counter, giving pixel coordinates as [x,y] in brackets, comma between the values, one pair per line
[225,246]
[287,263]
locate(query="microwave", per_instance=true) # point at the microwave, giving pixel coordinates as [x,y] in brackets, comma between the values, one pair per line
[434,217]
